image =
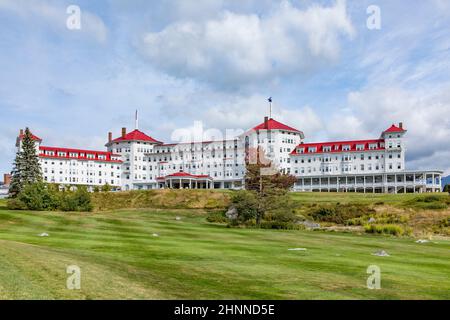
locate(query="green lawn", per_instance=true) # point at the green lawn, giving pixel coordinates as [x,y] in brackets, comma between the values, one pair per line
[192,259]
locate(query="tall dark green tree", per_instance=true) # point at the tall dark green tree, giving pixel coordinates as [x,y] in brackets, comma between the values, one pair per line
[26,168]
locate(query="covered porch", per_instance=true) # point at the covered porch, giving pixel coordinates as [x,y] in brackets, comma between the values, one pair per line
[184,180]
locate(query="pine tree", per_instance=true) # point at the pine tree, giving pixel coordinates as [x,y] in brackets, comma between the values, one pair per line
[268,183]
[26,169]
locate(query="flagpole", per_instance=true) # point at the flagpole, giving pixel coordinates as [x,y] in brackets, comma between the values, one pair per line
[270,107]
[136,121]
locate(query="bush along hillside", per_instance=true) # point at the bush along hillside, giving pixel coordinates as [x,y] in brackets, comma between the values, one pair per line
[40,196]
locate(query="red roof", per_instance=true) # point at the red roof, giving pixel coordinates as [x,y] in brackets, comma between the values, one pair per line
[35,138]
[274,125]
[394,128]
[337,146]
[80,154]
[184,174]
[136,135]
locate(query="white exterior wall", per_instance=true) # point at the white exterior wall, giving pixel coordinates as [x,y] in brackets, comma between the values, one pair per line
[139,164]
[80,172]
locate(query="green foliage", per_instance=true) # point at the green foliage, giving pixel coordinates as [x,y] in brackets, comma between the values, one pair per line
[79,200]
[38,196]
[269,188]
[340,213]
[447,188]
[380,218]
[429,202]
[106,188]
[280,225]
[391,229]
[45,197]
[246,203]
[96,189]
[26,167]
[217,217]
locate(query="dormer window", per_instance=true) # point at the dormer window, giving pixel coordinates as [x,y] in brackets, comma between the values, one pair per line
[346,147]
[327,149]
[360,147]
[301,150]
[312,149]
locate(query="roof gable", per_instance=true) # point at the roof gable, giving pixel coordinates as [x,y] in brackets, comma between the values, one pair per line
[394,128]
[274,125]
[136,135]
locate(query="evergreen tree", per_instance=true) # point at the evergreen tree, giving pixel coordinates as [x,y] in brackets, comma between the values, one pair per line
[26,169]
[269,185]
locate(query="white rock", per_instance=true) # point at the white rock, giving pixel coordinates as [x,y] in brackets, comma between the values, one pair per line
[422,241]
[43,234]
[178,218]
[155,235]
[372,220]
[297,249]
[381,253]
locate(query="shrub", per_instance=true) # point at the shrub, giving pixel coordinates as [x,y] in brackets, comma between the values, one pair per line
[39,196]
[391,229]
[106,188]
[45,197]
[15,204]
[430,202]
[217,217]
[340,214]
[246,204]
[280,225]
[79,200]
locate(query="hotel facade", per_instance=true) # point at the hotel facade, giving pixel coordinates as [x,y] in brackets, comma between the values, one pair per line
[136,161]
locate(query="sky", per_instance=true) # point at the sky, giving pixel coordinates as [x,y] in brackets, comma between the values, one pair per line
[217,62]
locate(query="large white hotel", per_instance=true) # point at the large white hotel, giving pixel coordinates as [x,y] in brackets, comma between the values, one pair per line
[136,161]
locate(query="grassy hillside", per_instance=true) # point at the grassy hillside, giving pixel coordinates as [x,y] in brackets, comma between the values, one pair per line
[421,215]
[191,259]
[162,199]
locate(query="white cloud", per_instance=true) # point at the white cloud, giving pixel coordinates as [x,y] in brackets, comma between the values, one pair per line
[425,114]
[235,49]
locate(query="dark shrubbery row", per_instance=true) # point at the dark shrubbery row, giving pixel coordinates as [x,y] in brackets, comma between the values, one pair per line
[46,197]
[341,213]
[430,202]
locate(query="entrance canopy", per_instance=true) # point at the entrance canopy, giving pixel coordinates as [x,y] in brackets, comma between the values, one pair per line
[184,180]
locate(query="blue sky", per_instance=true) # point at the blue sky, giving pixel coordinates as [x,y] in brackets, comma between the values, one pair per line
[217,61]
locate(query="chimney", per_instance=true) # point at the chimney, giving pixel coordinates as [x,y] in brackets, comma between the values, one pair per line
[21,132]
[124,132]
[266,123]
[109,137]
[400,125]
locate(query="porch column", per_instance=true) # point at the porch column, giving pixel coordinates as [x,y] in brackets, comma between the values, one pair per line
[364,183]
[404,181]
